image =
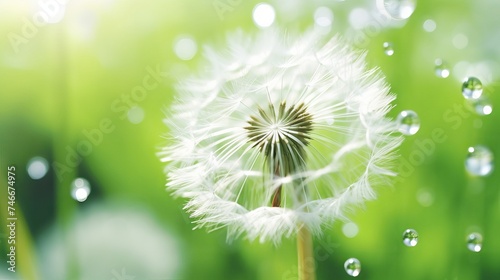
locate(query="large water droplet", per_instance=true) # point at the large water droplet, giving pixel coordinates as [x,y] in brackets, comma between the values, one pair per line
[441,69]
[472,88]
[408,122]
[396,9]
[352,267]
[350,230]
[474,242]
[80,189]
[482,106]
[479,161]
[135,115]
[410,237]
[388,49]
[37,167]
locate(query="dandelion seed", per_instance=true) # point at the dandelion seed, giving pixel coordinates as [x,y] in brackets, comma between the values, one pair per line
[280,136]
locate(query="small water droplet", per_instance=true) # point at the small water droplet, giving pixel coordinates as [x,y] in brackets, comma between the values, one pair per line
[135,115]
[408,122]
[80,189]
[396,9]
[388,49]
[263,15]
[410,237]
[425,197]
[352,267]
[482,106]
[429,25]
[323,16]
[185,47]
[441,69]
[350,230]
[472,88]
[474,242]
[37,167]
[479,161]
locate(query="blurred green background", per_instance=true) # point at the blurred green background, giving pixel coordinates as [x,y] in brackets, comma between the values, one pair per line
[84,85]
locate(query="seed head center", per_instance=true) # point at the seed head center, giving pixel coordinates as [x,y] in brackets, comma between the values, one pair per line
[281,133]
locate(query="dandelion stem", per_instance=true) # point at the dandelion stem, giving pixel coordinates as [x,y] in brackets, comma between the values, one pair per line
[305,255]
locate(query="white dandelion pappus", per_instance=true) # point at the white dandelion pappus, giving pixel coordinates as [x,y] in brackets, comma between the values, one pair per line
[279,134]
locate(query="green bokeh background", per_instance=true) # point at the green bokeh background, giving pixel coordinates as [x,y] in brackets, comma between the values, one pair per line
[66,78]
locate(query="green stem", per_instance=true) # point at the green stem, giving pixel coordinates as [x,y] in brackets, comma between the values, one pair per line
[305,255]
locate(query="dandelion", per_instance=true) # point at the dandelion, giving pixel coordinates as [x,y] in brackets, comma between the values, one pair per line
[279,137]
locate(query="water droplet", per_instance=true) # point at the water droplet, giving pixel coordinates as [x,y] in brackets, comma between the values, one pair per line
[410,237]
[135,115]
[474,242]
[429,25]
[479,161]
[350,230]
[352,267]
[185,47]
[80,189]
[396,9]
[263,15]
[460,41]
[323,16]
[408,122]
[425,197]
[472,88]
[441,69]
[388,49]
[482,106]
[37,167]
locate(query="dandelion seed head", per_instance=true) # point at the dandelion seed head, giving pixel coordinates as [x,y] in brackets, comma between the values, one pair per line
[280,133]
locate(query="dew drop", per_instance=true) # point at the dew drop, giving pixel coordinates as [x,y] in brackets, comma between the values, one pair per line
[472,88]
[185,47]
[350,230]
[410,237]
[474,242]
[396,9]
[388,49]
[37,167]
[441,69]
[323,16]
[479,161]
[352,267]
[482,106]
[408,122]
[263,15]
[80,189]
[429,25]
[135,115]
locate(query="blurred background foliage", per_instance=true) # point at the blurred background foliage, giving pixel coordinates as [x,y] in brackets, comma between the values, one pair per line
[87,92]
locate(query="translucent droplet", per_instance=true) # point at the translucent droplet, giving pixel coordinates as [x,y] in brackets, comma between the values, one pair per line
[482,106]
[37,167]
[352,267]
[263,15]
[460,41]
[425,197]
[479,161]
[410,237]
[350,230]
[396,9]
[441,69]
[429,25]
[80,189]
[323,16]
[474,242]
[135,115]
[472,88]
[185,47]
[388,49]
[408,122]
